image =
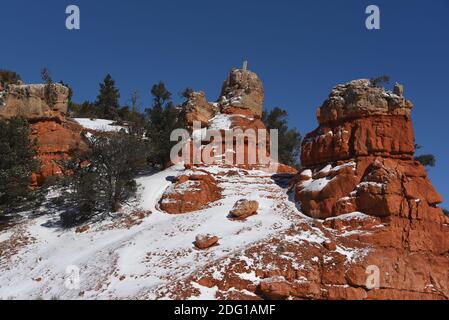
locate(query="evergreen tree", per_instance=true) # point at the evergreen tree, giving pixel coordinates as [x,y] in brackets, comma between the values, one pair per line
[289,139]
[186,93]
[380,81]
[446,212]
[103,178]
[17,163]
[9,77]
[85,110]
[163,117]
[108,100]
[427,160]
[48,81]
[70,102]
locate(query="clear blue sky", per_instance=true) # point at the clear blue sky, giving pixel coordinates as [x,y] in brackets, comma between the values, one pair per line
[300,49]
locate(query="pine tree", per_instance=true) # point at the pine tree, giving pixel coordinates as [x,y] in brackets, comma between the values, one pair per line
[289,143]
[103,178]
[163,117]
[69,98]
[17,163]
[380,81]
[107,102]
[48,81]
[9,77]
[186,93]
[427,160]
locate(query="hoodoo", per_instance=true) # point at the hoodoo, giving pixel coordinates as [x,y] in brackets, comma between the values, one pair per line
[360,158]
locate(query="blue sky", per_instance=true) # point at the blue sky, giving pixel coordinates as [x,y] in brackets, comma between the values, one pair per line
[300,49]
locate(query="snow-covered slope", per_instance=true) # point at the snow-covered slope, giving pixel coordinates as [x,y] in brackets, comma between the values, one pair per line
[98,124]
[125,258]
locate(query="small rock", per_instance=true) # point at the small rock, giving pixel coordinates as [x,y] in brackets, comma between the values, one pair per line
[205,241]
[275,290]
[82,229]
[330,245]
[244,209]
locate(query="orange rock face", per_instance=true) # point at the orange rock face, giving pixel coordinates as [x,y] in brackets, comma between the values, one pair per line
[56,141]
[57,138]
[198,109]
[361,158]
[190,193]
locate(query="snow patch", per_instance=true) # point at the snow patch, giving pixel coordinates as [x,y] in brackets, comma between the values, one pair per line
[205,292]
[220,122]
[101,125]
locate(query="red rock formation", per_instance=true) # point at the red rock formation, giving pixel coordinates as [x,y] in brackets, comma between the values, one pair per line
[361,158]
[190,193]
[235,119]
[198,109]
[56,141]
[57,137]
[243,89]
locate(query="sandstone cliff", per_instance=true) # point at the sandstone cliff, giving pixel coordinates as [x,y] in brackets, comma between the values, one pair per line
[29,101]
[57,136]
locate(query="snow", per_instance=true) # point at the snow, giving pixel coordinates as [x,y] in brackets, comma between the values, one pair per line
[370,183]
[308,236]
[352,255]
[307,173]
[249,277]
[326,169]
[98,125]
[220,122]
[199,134]
[315,185]
[141,261]
[351,216]
[348,164]
[205,292]
[5,236]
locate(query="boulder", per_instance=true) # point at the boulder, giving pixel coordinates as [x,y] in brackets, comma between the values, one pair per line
[190,193]
[198,109]
[205,241]
[244,209]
